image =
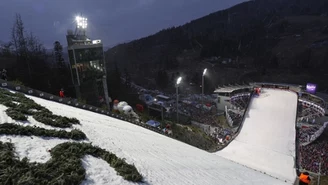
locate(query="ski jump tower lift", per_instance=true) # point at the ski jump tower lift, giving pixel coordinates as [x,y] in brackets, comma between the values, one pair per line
[87,65]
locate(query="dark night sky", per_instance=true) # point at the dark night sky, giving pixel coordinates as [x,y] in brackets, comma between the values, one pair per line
[109,20]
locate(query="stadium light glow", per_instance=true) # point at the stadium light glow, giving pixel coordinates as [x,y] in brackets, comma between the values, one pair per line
[81,22]
[177,102]
[204,72]
[179,80]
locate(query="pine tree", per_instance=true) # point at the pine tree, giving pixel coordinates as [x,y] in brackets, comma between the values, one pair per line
[20,48]
[127,78]
[58,52]
[30,55]
[162,79]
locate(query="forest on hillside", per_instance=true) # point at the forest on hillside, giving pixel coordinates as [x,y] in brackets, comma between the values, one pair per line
[27,62]
[254,34]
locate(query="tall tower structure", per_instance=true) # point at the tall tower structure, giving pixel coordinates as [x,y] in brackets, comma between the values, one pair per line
[87,64]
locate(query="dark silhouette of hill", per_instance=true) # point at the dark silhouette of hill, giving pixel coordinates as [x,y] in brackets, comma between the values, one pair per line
[255,33]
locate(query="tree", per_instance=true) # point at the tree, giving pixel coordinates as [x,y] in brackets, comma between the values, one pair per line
[29,51]
[58,52]
[127,78]
[36,52]
[165,77]
[195,78]
[31,67]
[19,41]
[6,49]
[18,38]
[162,79]
[114,82]
[61,77]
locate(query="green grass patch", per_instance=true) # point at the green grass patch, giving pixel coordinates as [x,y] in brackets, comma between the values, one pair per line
[53,120]
[12,129]
[16,114]
[27,106]
[65,166]
[127,171]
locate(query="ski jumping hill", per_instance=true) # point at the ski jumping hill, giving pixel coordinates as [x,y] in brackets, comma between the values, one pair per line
[160,159]
[266,141]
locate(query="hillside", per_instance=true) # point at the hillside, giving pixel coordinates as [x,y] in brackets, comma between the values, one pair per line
[269,35]
[35,150]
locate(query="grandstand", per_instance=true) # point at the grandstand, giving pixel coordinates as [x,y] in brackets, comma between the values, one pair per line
[306,132]
[310,109]
[233,96]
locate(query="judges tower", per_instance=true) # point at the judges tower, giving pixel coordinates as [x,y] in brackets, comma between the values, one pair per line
[87,64]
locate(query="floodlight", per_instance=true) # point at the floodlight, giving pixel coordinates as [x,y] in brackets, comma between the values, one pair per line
[96,41]
[179,80]
[204,72]
[81,22]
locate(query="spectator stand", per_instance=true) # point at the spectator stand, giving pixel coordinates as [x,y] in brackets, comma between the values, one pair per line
[240,100]
[232,96]
[235,131]
[312,133]
[306,133]
[312,155]
[313,98]
[310,110]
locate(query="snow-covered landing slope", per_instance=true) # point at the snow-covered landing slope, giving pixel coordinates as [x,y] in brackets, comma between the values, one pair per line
[267,139]
[160,159]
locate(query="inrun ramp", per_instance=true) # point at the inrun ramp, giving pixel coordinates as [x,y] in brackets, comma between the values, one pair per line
[266,141]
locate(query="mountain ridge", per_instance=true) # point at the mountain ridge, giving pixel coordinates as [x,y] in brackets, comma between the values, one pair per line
[252,34]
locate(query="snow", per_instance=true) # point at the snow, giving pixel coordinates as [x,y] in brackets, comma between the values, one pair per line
[267,140]
[30,121]
[32,147]
[161,160]
[98,172]
[26,145]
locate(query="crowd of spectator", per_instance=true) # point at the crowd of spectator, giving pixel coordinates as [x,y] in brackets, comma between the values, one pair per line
[306,132]
[202,118]
[237,118]
[313,154]
[204,115]
[240,101]
[221,134]
[308,112]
